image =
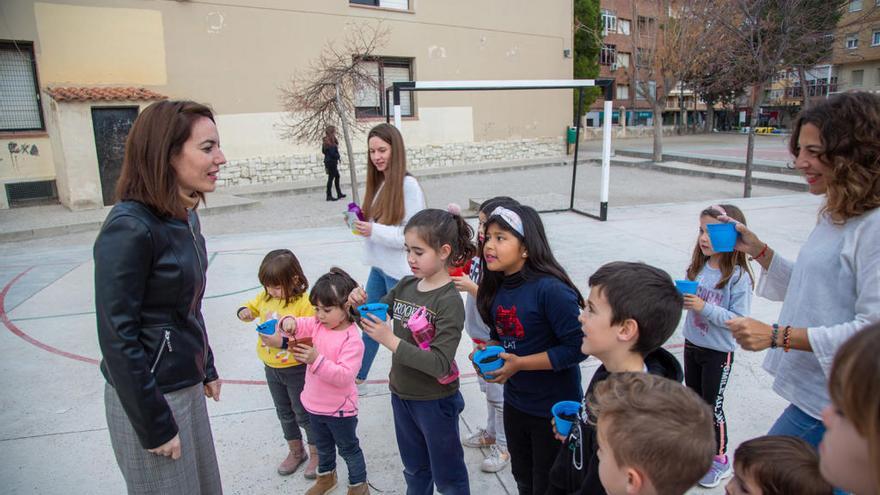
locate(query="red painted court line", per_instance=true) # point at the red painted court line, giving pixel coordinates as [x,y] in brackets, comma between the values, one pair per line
[76,357]
[27,338]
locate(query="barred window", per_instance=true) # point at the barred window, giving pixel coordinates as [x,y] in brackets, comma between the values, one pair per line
[19,93]
[370,101]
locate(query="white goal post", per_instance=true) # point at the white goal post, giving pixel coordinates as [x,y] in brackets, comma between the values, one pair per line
[606,84]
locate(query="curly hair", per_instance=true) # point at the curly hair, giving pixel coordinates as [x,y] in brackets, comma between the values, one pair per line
[849,124]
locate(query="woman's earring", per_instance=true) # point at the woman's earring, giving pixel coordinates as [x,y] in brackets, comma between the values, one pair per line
[525,255]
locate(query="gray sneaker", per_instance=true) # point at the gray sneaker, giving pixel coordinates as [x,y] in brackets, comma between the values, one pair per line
[497,460]
[717,472]
[481,438]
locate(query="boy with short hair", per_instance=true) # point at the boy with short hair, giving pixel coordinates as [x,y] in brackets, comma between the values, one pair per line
[632,309]
[655,435]
[776,465]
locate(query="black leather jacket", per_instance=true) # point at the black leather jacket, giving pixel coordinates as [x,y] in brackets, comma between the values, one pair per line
[149,283]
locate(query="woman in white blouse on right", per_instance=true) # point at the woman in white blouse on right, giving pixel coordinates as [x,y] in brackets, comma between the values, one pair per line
[832,290]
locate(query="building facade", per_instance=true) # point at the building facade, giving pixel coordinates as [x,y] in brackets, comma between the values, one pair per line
[84,68]
[856,57]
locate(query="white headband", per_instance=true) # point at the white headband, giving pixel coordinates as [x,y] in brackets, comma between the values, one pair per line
[511,218]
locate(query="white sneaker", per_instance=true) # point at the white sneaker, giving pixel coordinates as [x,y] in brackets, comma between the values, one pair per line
[481,438]
[496,461]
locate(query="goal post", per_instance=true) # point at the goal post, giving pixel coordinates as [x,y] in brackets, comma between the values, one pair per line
[392,101]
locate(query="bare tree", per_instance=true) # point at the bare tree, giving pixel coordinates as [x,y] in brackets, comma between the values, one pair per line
[324,95]
[766,37]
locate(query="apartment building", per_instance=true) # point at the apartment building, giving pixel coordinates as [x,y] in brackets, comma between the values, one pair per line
[856,57]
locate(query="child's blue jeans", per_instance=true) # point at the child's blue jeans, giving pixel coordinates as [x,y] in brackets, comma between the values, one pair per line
[428,440]
[331,432]
[378,284]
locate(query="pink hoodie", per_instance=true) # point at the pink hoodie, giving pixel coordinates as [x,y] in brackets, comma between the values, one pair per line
[330,389]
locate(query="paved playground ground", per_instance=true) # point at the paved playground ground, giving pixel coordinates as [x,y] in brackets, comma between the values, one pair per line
[53,436]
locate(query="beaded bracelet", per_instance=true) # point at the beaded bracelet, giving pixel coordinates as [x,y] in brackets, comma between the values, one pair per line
[773,344]
[786,338]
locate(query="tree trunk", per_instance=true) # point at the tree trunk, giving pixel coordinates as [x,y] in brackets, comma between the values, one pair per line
[709,125]
[658,132]
[355,196]
[750,146]
[802,75]
[682,119]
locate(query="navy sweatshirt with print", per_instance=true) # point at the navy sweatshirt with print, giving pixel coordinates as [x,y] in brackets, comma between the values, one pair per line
[532,315]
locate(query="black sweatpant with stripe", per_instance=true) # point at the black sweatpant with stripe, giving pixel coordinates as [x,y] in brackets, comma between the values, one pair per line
[706,372]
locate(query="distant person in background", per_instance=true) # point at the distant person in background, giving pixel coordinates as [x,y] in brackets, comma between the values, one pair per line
[330,149]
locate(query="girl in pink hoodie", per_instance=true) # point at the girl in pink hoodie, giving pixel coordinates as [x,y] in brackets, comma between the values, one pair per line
[330,343]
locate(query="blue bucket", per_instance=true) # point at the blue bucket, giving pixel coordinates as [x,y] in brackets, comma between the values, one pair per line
[563,426]
[686,286]
[491,351]
[379,310]
[722,236]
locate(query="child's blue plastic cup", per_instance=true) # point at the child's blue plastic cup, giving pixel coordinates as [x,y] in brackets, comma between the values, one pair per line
[267,327]
[484,359]
[567,408]
[379,310]
[686,286]
[722,236]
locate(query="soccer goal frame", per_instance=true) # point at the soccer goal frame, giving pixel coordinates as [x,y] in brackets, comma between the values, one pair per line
[392,94]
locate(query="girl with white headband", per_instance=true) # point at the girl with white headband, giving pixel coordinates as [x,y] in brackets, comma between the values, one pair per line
[531,307]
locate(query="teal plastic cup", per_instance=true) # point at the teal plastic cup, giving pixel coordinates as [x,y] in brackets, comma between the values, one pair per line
[488,360]
[686,286]
[379,310]
[565,413]
[722,236]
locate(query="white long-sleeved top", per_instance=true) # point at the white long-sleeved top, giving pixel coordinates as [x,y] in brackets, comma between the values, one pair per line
[384,248]
[833,289]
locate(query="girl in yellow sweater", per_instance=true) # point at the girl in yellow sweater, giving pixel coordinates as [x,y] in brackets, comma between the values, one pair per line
[284,294]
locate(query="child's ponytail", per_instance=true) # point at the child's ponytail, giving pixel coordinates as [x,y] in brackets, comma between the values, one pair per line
[437,227]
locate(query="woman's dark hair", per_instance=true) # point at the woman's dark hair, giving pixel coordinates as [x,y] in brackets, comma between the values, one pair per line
[330,136]
[439,227]
[280,268]
[849,124]
[728,261]
[157,135]
[332,290]
[540,260]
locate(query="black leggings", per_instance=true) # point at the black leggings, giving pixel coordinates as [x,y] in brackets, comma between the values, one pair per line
[706,372]
[532,450]
[332,176]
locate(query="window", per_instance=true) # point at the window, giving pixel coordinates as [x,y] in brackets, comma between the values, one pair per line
[855,5]
[646,25]
[644,57]
[623,26]
[609,22]
[852,41]
[19,92]
[875,38]
[651,87]
[622,92]
[858,77]
[608,55]
[370,101]
[622,60]
[388,4]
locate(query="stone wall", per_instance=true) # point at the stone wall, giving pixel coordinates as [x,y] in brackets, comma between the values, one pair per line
[304,167]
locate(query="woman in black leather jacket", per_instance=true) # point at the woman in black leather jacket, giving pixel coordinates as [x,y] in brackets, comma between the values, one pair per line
[150,267]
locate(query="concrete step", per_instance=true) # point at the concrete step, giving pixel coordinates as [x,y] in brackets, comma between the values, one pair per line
[35,222]
[711,161]
[764,178]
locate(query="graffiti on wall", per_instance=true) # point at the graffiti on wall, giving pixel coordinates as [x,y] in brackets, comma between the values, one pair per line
[18,151]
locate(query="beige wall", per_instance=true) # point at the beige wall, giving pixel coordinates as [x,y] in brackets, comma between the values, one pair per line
[236,55]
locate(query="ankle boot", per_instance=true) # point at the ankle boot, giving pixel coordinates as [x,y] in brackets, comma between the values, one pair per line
[295,457]
[312,466]
[325,484]
[359,489]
